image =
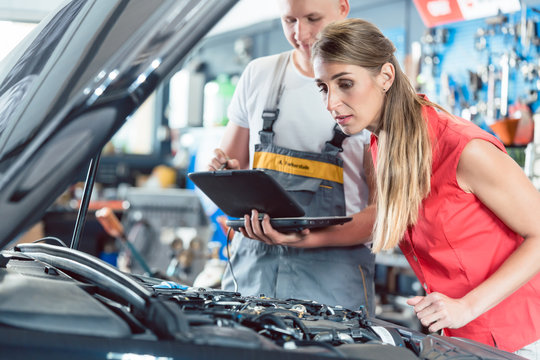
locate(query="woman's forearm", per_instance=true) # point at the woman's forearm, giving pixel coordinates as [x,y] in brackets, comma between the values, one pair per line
[518,269]
[354,232]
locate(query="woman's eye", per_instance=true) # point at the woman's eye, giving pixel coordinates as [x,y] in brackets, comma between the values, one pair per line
[311,19]
[322,88]
[345,84]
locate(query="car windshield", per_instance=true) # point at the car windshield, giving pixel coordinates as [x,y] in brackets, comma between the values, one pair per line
[25,64]
[40,62]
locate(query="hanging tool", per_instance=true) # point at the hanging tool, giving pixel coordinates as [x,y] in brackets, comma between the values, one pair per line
[475,85]
[490,107]
[505,78]
[114,228]
[524,29]
[505,127]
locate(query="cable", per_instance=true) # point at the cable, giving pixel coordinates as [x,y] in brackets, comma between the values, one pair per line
[51,238]
[365,288]
[266,318]
[300,324]
[229,260]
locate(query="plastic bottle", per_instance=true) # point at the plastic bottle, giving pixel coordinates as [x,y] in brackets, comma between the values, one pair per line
[217,97]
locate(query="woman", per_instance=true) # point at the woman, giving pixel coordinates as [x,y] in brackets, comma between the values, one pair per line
[462,211]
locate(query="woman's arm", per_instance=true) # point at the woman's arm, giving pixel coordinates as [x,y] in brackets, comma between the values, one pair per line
[500,184]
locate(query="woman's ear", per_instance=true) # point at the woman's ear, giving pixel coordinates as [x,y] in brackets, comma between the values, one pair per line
[387,76]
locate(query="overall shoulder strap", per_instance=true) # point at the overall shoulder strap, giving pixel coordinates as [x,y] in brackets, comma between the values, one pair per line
[271,110]
[335,145]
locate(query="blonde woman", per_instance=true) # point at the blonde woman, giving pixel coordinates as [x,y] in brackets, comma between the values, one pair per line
[461,210]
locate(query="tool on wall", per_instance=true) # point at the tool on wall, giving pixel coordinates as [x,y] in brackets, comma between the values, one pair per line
[432,42]
[505,127]
[505,77]
[490,103]
[503,89]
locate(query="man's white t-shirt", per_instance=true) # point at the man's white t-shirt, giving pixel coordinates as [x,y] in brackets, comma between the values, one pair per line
[303,123]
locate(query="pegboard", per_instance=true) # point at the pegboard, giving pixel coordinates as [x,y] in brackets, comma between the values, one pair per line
[459,49]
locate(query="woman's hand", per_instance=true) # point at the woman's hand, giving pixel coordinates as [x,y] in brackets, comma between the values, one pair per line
[263,231]
[437,311]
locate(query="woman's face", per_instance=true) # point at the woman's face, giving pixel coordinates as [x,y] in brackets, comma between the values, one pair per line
[352,94]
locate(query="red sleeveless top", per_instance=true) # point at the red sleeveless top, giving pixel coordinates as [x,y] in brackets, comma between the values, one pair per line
[458,242]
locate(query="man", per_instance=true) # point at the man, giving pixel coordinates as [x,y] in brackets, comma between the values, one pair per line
[301,132]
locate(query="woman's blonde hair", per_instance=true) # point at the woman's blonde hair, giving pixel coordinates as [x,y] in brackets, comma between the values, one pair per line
[404,149]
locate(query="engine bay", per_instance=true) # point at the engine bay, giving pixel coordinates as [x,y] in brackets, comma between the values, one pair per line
[56,290]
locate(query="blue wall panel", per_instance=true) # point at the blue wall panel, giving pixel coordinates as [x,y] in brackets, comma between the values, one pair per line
[460,55]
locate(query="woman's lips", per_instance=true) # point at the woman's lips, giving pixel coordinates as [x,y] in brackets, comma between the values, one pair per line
[343,119]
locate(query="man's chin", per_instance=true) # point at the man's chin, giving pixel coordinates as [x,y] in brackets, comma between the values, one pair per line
[305,50]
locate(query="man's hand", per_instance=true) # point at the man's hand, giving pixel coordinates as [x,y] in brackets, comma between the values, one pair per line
[263,231]
[437,311]
[222,161]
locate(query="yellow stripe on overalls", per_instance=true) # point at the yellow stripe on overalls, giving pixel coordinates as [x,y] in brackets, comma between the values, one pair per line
[298,166]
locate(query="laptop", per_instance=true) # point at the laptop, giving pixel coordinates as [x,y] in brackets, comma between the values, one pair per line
[237,192]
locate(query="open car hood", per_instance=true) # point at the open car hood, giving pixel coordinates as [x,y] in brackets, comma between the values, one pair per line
[69,86]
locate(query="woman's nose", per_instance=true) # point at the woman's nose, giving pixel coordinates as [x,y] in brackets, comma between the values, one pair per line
[332,101]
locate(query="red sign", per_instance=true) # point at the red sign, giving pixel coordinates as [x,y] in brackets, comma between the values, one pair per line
[438,12]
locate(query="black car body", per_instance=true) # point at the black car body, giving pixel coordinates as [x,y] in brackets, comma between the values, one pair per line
[63,93]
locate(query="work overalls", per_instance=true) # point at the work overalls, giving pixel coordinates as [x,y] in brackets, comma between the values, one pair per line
[331,275]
